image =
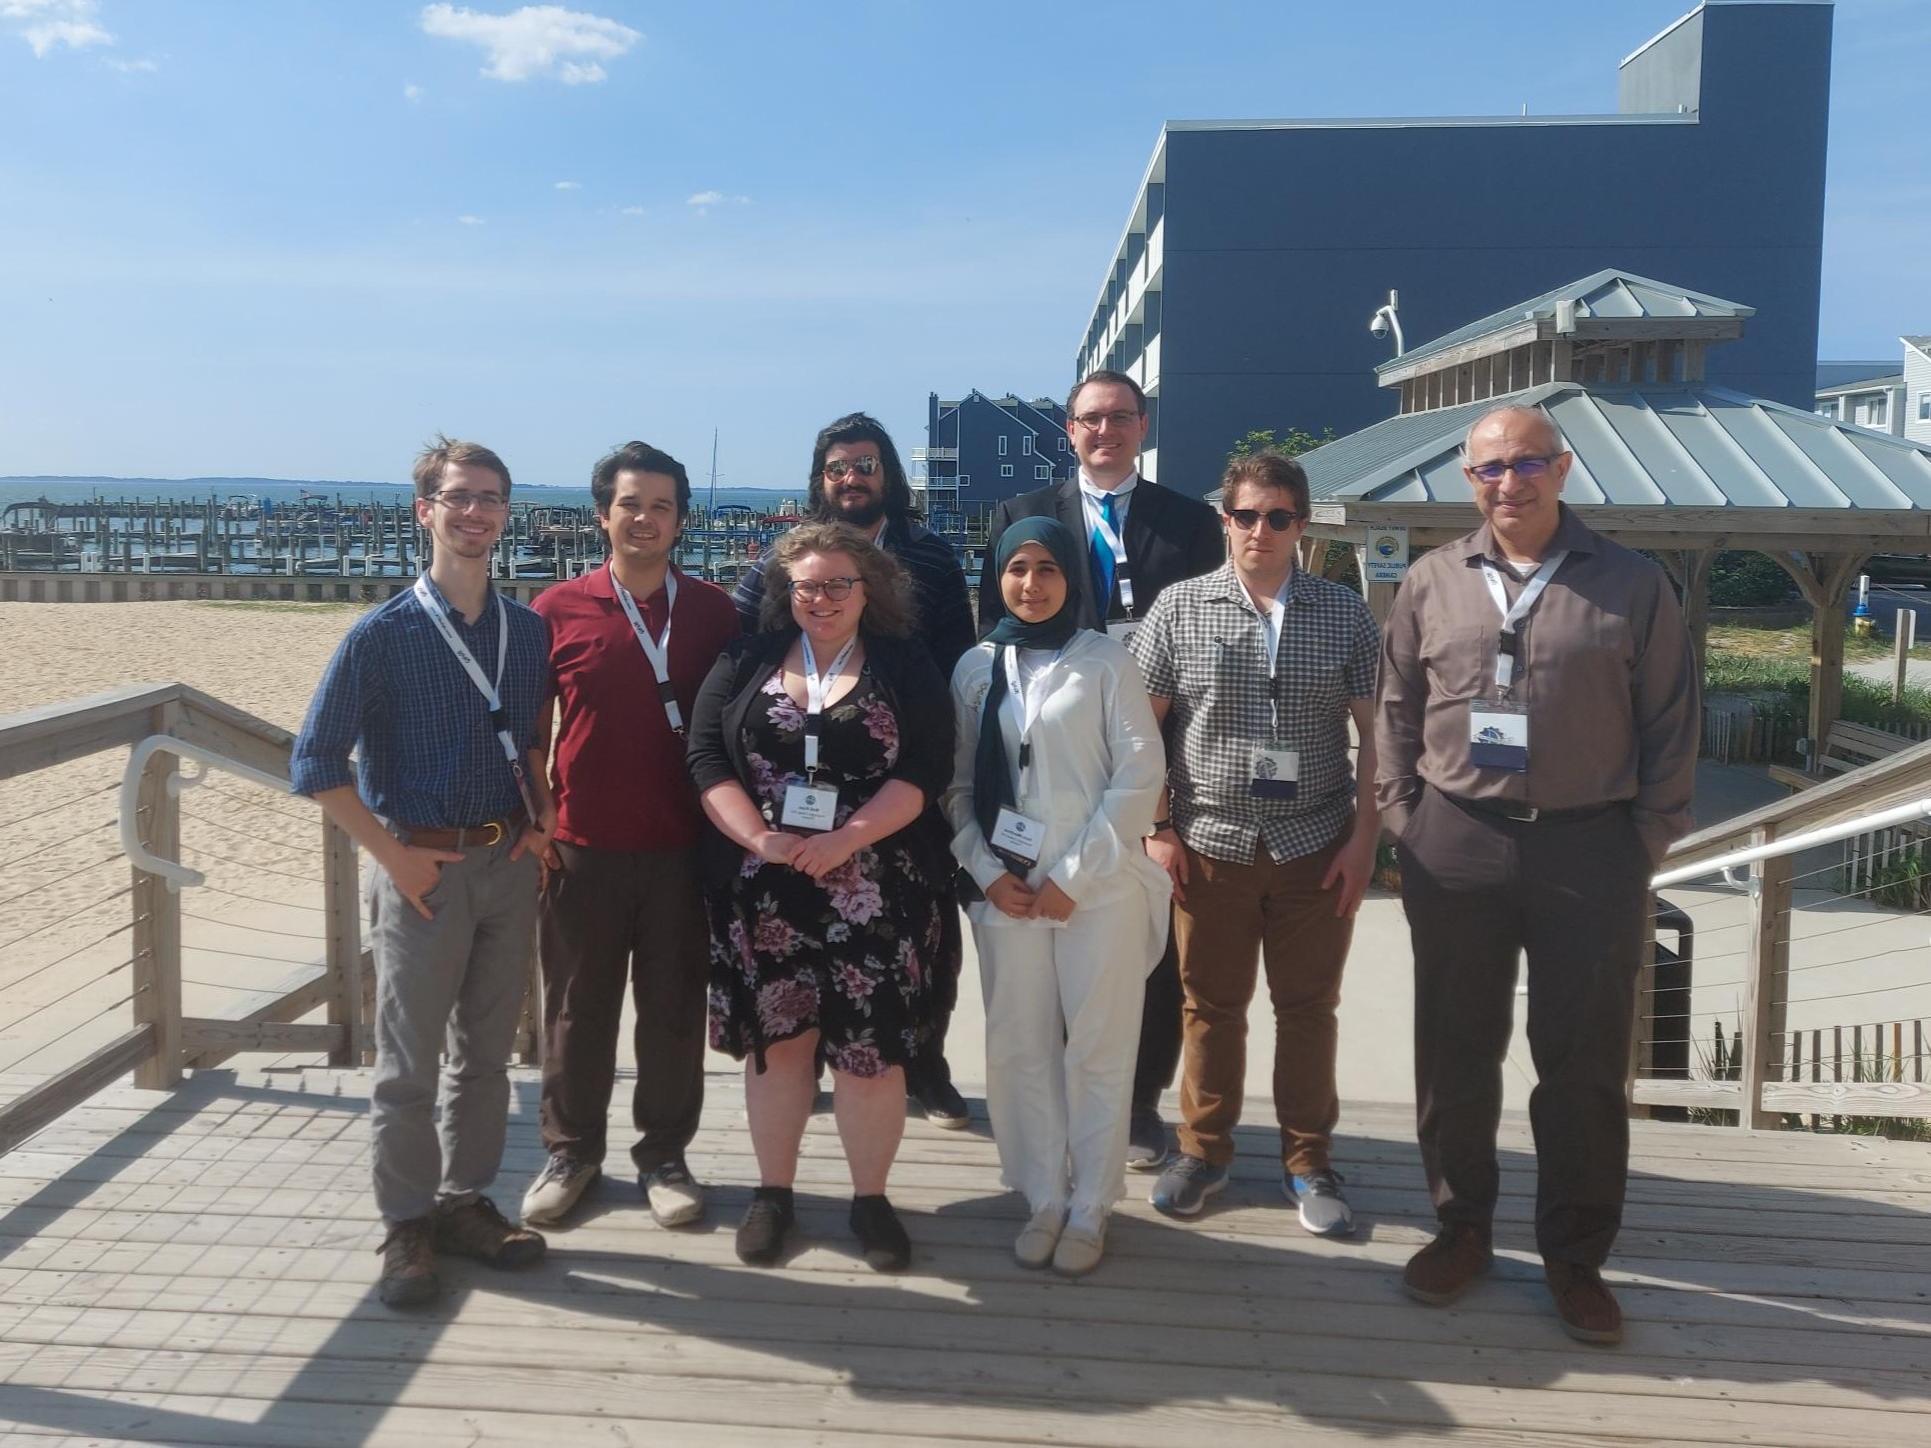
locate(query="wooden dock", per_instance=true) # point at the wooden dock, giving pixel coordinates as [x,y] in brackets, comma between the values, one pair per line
[197,1267]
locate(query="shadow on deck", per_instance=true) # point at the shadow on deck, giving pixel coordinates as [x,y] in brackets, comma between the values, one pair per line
[197,1268]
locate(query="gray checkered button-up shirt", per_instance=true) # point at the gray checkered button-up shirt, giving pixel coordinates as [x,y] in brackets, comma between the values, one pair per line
[1204,647]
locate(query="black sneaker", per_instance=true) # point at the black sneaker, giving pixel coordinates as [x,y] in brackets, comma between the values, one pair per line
[1146,1142]
[766,1221]
[880,1235]
[943,1105]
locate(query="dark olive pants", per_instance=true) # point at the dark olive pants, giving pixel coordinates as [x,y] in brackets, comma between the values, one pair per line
[1570,895]
[612,918]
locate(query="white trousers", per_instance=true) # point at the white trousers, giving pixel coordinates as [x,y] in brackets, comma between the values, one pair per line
[1062,1033]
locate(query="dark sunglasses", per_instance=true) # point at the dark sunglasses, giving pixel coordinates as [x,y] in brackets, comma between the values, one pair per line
[1248,519]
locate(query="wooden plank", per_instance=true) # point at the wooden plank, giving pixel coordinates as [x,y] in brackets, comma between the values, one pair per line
[291,998]
[33,1109]
[1847,1098]
[1766,968]
[37,738]
[157,911]
[341,894]
[208,1034]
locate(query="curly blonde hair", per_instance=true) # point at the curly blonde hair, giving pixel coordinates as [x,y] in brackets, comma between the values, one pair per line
[889,609]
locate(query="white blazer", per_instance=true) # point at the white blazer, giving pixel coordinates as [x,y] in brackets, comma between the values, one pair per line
[1094,782]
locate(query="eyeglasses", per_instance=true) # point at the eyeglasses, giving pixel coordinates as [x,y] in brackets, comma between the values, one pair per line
[1248,519]
[1521,467]
[841,469]
[1094,421]
[807,590]
[459,500]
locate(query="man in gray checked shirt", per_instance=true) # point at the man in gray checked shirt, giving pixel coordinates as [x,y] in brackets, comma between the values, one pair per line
[1257,669]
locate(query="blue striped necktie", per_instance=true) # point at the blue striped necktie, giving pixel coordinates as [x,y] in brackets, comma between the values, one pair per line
[1103,560]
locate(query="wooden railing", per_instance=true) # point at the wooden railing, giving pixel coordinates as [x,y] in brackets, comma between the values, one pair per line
[1756,1089]
[161,1041]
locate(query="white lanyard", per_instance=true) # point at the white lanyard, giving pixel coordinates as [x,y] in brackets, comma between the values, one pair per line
[1115,545]
[816,687]
[1514,614]
[1273,626]
[432,604]
[656,650]
[1029,707]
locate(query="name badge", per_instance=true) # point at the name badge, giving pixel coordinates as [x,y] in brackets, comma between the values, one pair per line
[1018,835]
[810,807]
[1122,629]
[1274,773]
[1498,735]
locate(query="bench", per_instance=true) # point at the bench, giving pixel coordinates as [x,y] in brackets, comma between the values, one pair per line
[1846,747]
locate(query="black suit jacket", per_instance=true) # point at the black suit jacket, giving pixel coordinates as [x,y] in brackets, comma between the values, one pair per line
[1169,536]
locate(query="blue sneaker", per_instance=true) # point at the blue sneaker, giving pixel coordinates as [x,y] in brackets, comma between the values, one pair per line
[1185,1185]
[1324,1211]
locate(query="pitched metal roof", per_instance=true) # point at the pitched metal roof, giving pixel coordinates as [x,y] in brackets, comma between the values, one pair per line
[1867,384]
[1664,445]
[1839,374]
[1605,294]
[1923,344]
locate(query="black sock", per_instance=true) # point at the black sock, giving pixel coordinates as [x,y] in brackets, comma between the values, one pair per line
[780,1195]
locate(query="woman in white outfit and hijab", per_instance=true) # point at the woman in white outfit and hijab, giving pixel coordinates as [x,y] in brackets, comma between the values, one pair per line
[1058,774]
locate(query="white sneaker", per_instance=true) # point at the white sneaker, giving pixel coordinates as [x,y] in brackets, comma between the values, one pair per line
[676,1200]
[1035,1243]
[557,1188]
[1081,1246]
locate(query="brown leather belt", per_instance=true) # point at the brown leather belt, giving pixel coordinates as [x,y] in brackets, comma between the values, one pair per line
[1528,814]
[484,836]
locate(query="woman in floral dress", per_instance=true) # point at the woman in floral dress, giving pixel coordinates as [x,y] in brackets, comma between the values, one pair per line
[815,745]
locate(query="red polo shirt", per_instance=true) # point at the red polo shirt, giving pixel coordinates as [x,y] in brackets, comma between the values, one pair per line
[619,772]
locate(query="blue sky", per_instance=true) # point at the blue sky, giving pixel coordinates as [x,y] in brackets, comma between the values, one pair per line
[293,239]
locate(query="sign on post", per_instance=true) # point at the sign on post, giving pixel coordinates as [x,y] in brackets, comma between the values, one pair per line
[1386,555]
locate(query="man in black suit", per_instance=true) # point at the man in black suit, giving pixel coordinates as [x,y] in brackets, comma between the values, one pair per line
[1140,538]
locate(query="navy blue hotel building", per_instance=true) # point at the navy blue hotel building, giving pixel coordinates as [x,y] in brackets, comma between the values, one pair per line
[1256,251]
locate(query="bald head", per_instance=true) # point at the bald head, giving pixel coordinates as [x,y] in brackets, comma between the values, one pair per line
[1515,416]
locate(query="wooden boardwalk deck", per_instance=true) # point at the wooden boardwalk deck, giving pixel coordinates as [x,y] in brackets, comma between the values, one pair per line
[197,1268]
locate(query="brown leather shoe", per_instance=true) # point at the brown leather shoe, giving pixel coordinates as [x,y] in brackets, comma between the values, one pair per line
[476,1229]
[408,1265]
[1442,1271]
[1584,1302]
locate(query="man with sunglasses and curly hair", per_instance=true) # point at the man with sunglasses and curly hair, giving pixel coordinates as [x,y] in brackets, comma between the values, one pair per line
[1257,669]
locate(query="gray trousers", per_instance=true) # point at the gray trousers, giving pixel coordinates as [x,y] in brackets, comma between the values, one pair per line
[453,984]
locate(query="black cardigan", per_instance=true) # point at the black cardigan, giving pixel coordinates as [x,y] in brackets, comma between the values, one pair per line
[904,674]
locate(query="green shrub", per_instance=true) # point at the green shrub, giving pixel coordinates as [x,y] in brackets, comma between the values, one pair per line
[1749,580]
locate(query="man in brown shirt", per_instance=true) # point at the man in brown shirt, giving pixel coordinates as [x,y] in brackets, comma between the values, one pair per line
[1536,725]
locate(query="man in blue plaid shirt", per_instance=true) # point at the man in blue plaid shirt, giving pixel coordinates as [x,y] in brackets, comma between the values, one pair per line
[1256,670]
[436,692]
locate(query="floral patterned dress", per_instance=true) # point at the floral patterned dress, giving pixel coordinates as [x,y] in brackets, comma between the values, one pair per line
[846,954]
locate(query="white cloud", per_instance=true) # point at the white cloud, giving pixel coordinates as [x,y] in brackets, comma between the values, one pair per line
[536,40]
[703,201]
[569,186]
[633,211]
[132,67]
[46,24]
[467,220]
[412,93]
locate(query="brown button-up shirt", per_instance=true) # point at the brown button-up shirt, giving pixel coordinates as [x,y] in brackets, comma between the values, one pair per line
[1603,666]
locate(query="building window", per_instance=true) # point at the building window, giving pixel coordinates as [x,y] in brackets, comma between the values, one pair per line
[1874,412]
[1062,442]
[1042,471]
[1924,407]
[1827,409]
[1005,470]
[1002,444]
[1026,444]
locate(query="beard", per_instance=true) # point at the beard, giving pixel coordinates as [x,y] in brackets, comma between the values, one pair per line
[861,510]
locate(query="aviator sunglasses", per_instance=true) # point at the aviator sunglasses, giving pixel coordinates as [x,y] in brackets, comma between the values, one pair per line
[1248,519]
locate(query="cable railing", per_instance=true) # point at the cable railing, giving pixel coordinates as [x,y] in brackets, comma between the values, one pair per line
[1792,976]
[104,967]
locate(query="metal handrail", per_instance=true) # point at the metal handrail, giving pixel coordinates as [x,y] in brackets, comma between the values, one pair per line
[172,871]
[1809,839]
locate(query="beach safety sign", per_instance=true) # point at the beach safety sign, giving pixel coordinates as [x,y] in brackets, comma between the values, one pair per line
[1386,555]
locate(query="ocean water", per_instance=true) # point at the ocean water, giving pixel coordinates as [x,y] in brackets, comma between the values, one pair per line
[293,490]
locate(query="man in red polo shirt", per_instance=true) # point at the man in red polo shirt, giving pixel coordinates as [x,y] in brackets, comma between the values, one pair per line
[630,643]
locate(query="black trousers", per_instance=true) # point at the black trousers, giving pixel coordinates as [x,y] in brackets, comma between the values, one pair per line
[1571,896]
[1159,1058]
[612,918]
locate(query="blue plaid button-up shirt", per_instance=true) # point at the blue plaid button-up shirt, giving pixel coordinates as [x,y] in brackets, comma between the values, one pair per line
[395,696]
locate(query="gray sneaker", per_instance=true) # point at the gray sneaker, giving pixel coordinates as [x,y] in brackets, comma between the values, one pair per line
[675,1198]
[1146,1142]
[1185,1185]
[557,1188]
[1324,1211]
